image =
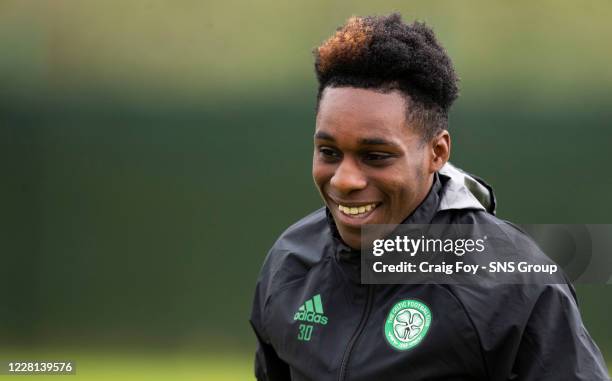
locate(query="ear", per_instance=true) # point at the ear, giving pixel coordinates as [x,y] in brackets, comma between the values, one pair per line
[440,147]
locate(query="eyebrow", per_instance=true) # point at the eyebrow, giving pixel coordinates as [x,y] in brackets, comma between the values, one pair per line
[365,141]
[324,136]
[376,142]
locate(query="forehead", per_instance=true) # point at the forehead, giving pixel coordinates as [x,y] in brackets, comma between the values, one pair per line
[363,110]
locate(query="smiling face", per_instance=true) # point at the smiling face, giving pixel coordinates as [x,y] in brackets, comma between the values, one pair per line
[369,164]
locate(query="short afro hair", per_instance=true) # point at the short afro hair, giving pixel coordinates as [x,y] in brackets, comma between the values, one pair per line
[385,54]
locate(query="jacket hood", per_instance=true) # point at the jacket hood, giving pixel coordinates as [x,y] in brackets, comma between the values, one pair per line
[465,191]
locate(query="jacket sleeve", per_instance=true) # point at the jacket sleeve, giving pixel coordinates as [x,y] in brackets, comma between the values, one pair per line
[268,365]
[555,344]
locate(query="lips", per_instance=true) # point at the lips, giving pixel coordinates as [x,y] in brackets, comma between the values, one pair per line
[353,214]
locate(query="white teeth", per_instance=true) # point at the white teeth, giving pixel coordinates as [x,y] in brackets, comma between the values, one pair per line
[355,210]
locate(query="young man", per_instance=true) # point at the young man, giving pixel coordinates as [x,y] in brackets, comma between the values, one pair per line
[380,157]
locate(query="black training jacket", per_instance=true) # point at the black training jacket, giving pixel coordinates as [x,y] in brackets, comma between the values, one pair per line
[315,321]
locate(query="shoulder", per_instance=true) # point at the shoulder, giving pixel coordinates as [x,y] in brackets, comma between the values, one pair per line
[506,239]
[518,293]
[304,241]
[506,243]
[299,248]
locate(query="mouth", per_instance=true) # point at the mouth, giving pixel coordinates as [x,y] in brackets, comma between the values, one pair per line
[353,214]
[356,210]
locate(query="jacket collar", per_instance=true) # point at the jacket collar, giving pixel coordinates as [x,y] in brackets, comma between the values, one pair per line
[462,190]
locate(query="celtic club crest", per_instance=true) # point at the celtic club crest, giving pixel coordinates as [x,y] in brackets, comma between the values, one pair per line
[407,324]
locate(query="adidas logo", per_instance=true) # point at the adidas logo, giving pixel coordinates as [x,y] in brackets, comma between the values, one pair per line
[311,311]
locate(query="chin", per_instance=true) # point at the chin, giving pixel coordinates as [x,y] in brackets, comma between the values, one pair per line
[352,239]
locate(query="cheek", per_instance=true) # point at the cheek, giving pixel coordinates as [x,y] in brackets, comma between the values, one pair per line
[400,185]
[321,173]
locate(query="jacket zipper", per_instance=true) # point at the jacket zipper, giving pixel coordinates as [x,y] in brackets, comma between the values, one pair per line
[362,322]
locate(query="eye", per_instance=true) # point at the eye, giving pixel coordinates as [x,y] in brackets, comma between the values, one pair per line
[329,154]
[377,157]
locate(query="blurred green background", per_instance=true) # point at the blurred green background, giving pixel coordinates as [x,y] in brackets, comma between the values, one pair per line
[152,151]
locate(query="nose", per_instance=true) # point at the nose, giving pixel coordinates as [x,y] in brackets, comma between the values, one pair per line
[348,177]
